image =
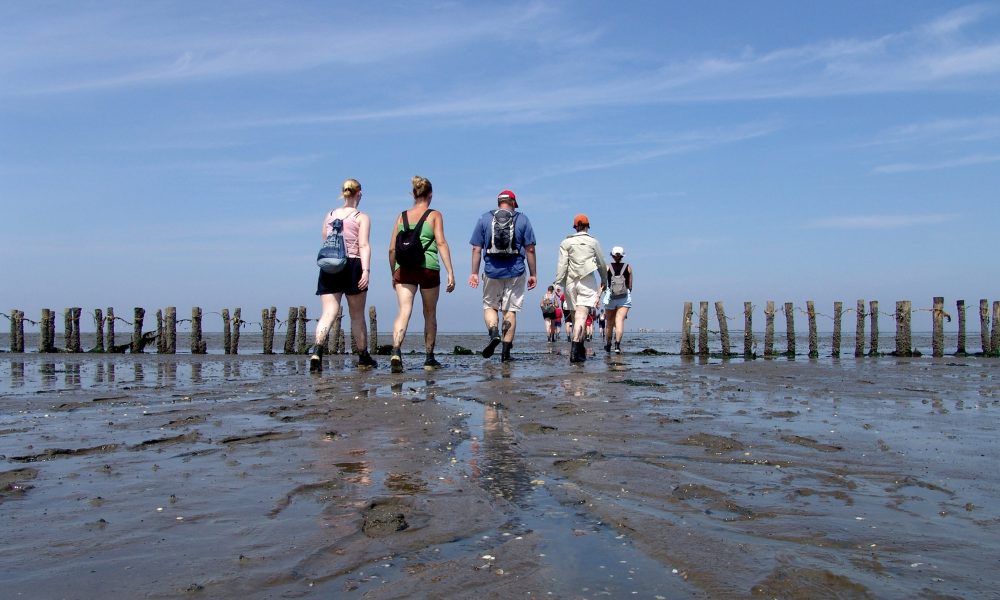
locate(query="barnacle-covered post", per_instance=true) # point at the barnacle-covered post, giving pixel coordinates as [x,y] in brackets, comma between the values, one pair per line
[769,328]
[687,342]
[838,315]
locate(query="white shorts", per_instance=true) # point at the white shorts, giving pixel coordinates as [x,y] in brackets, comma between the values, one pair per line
[585,292]
[505,295]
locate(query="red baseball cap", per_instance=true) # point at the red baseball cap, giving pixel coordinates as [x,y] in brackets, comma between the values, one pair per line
[507,196]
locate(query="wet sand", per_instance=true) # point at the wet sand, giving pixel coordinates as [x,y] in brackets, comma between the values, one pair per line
[632,476]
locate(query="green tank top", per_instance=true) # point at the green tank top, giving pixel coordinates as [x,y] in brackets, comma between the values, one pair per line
[431,254]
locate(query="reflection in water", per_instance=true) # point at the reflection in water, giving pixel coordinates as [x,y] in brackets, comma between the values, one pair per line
[17,373]
[72,377]
[99,373]
[140,374]
[500,469]
[47,370]
[196,372]
[356,472]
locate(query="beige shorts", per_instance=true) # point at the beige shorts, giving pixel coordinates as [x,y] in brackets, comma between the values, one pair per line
[506,295]
[585,292]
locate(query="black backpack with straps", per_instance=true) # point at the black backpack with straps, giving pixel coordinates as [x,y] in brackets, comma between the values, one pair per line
[409,250]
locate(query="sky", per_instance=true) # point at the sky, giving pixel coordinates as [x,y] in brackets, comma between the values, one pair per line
[184,154]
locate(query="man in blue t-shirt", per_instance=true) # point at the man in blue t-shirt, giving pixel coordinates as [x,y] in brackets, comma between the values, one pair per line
[506,238]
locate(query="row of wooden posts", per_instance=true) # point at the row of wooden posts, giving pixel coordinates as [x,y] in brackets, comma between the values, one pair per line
[165,335]
[904,345]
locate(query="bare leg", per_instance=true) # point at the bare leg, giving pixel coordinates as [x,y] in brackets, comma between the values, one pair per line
[510,323]
[356,306]
[404,298]
[620,324]
[579,323]
[491,318]
[429,299]
[331,310]
[609,315]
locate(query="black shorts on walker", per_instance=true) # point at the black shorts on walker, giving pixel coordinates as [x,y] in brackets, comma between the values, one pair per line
[345,282]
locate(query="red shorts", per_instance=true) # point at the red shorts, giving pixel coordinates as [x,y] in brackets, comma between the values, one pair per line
[423,278]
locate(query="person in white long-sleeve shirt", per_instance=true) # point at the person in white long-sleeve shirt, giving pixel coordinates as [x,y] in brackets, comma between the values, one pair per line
[583,274]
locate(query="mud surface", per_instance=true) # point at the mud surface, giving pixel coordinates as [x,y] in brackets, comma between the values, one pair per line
[639,476]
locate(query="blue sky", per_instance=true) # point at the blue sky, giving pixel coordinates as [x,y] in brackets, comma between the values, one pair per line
[184,153]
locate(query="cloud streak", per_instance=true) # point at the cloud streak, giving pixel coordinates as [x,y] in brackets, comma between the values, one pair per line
[951,163]
[880,221]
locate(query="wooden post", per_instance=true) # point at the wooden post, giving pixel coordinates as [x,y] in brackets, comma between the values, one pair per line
[44,343]
[109,345]
[703,328]
[67,329]
[237,322]
[227,336]
[16,331]
[720,314]
[372,331]
[859,332]
[137,345]
[20,331]
[838,315]
[198,346]
[873,312]
[333,335]
[937,342]
[904,346]
[747,330]
[960,309]
[687,342]
[813,339]
[293,322]
[99,325]
[301,333]
[995,338]
[52,331]
[984,324]
[161,339]
[170,344]
[340,342]
[267,327]
[790,329]
[769,329]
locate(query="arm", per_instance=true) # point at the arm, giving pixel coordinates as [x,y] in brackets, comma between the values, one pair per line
[443,249]
[364,249]
[392,248]
[628,277]
[530,255]
[561,268]
[477,254]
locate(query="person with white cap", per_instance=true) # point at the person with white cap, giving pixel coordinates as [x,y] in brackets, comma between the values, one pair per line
[507,239]
[617,299]
[583,273]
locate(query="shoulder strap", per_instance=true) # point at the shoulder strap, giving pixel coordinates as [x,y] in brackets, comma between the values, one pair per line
[423,218]
[406,222]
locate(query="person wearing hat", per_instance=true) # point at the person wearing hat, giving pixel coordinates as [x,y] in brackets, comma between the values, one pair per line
[505,241]
[583,274]
[617,298]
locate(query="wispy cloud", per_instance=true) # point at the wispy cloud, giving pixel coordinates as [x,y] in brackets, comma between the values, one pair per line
[880,221]
[950,163]
[973,129]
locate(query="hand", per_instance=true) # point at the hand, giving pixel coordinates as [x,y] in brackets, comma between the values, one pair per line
[532,282]
[474,280]
[363,282]
[451,284]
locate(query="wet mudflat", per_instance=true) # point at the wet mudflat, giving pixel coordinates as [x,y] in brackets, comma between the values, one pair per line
[633,476]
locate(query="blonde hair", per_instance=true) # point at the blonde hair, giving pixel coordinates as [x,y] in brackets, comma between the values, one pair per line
[350,188]
[421,187]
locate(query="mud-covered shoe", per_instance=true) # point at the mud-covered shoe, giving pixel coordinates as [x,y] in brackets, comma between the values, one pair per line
[365,361]
[396,363]
[494,342]
[618,348]
[315,359]
[431,364]
[607,347]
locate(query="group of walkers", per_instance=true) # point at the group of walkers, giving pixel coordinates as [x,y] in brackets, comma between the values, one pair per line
[503,244]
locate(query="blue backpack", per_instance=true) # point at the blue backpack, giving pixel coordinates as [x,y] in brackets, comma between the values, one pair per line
[332,257]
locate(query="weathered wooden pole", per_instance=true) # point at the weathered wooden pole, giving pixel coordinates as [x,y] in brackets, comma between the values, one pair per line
[720,314]
[687,342]
[170,344]
[293,322]
[227,335]
[703,328]
[267,328]
[109,344]
[161,339]
[198,346]
[904,345]
[67,329]
[937,341]
[44,342]
[859,331]
[372,331]
[99,327]
[300,334]
[960,309]
[813,338]
[52,331]
[984,324]
[20,331]
[838,315]
[995,338]
[769,328]
[74,342]
[747,330]
[873,312]
[237,323]
[137,344]
[790,329]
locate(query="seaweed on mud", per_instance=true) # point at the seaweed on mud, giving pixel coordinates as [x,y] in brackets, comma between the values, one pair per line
[267,436]
[810,443]
[65,452]
[639,383]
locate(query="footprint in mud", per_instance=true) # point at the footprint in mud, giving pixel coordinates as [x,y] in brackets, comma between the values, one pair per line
[382,519]
[570,465]
[810,443]
[12,483]
[798,582]
[536,428]
[714,442]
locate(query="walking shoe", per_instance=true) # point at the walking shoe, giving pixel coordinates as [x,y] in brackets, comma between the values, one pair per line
[505,352]
[396,362]
[494,342]
[365,360]
[578,353]
[431,363]
[618,348]
[315,359]
[607,347]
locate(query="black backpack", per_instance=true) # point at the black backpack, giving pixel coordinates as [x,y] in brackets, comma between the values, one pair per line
[502,233]
[409,250]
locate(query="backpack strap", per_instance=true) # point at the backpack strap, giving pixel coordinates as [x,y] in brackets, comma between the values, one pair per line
[420,224]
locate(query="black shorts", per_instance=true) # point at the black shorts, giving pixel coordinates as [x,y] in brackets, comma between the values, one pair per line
[549,315]
[425,279]
[344,282]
